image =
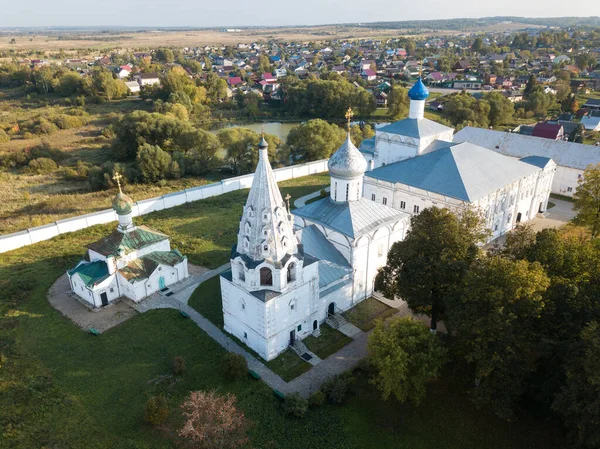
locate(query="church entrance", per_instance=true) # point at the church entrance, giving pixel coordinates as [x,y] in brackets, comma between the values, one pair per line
[104,298]
[519,217]
[541,207]
[161,283]
[315,325]
[292,337]
[331,309]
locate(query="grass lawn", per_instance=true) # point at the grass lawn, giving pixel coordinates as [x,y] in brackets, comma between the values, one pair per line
[64,388]
[364,314]
[562,197]
[550,205]
[330,341]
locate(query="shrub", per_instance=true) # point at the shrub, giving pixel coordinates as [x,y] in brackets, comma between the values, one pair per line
[153,163]
[68,121]
[234,366]
[3,136]
[295,405]
[156,410]
[337,387]
[178,365]
[45,127]
[42,165]
[317,399]
[27,135]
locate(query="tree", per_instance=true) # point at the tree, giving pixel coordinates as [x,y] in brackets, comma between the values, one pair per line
[579,400]
[539,102]
[213,421]
[587,199]
[70,84]
[264,64]
[241,145]
[463,107]
[398,102]
[156,410]
[164,55]
[216,88]
[314,140]
[153,163]
[406,356]
[492,320]
[200,149]
[531,85]
[178,80]
[428,265]
[106,84]
[359,134]
[501,108]
[43,78]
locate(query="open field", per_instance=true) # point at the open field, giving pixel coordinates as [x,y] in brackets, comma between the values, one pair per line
[62,387]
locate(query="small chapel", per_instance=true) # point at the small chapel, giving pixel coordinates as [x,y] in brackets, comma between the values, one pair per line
[132,262]
[290,272]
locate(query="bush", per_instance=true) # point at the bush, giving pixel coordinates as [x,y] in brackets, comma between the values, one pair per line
[156,410]
[153,163]
[3,136]
[27,135]
[317,399]
[178,365]
[68,121]
[337,388]
[234,366]
[295,405]
[45,127]
[42,165]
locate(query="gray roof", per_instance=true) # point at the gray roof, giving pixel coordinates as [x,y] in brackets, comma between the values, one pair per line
[415,128]
[367,146]
[332,265]
[565,154]
[463,171]
[353,218]
[347,161]
[538,161]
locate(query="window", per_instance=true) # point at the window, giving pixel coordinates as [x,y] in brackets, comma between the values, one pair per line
[292,306]
[159,268]
[299,327]
[347,191]
[384,201]
[112,290]
[243,304]
[402,205]
[372,197]
[265,248]
[335,192]
[241,273]
[416,209]
[569,189]
[266,276]
[291,272]
[245,334]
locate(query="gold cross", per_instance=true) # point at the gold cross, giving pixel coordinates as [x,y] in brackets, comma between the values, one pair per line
[262,131]
[349,115]
[287,198]
[117,178]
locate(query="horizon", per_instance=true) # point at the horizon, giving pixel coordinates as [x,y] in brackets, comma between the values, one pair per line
[236,13]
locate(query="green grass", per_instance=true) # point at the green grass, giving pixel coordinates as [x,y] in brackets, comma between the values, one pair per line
[562,197]
[288,365]
[330,342]
[550,205]
[61,387]
[364,314]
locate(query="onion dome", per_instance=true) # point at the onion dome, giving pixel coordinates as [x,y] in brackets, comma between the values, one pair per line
[419,91]
[122,204]
[263,143]
[347,161]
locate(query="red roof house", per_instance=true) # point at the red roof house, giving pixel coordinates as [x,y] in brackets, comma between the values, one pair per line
[548,131]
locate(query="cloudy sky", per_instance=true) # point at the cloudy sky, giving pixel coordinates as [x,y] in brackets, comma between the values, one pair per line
[209,13]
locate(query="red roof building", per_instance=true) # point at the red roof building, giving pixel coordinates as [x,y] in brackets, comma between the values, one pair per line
[549,131]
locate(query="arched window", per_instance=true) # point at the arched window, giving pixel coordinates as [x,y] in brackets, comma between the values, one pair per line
[266,276]
[291,272]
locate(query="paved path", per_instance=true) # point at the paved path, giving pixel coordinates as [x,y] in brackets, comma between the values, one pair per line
[301,202]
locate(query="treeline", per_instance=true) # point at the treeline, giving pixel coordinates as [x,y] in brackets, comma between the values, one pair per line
[522,321]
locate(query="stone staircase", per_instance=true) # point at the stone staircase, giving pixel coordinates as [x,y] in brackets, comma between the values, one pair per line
[299,347]
[336,321]
[317,333]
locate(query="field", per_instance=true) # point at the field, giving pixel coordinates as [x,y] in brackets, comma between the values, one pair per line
[61,387]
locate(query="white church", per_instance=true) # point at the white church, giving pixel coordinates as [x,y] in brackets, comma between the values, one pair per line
[415,164]
[132,262]
[290,272]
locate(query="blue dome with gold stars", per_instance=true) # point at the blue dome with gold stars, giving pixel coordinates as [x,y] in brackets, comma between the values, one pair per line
[419,91]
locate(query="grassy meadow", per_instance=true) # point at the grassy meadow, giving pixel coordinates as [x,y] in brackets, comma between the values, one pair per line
[63,388]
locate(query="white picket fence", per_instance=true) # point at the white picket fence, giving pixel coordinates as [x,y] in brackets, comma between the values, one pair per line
[30,236]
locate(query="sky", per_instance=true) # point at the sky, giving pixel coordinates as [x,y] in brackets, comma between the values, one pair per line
[213,13]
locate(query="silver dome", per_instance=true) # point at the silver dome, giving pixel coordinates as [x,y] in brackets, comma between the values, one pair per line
[347,161]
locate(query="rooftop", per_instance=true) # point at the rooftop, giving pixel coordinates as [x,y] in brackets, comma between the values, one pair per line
[415,128]
[139,238]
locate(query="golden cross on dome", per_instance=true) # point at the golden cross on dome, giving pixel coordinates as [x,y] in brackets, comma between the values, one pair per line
[262,131]
[349,115]
[421,69]
[117,178]
[287,198]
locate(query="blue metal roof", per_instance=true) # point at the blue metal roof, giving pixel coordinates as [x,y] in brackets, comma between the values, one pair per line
[415,128]
[463,171]
[353,219]
[538,161]
[418,91]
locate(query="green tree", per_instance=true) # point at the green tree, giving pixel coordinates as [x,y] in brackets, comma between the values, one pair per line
[264,64]
[406,356]
[200,149]
[579,401]
[587,199]
[501,108]
[153,163]
[314,140]
[43,78]
[70,84]
[164,55]
[359,134]
[428,265]
[398,102]
[241,145]
[492,322]
[178,80]
[531,85]
[463,107]
[107,85]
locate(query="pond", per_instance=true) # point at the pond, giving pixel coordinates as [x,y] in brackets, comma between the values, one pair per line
[278,129]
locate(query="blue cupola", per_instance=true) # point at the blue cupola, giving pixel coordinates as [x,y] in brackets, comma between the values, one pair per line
[418,91]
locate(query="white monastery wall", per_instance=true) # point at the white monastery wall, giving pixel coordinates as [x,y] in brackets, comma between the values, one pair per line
[9,242]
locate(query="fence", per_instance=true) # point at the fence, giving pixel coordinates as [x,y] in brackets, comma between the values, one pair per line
[30,236]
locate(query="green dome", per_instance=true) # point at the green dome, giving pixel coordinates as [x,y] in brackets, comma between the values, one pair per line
[122,204]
